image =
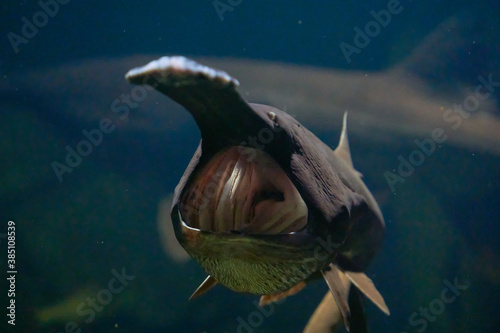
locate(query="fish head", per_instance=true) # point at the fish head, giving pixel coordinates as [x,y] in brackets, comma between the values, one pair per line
[237,212]
[263,204]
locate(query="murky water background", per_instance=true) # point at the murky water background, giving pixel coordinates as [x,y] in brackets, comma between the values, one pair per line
[89,254]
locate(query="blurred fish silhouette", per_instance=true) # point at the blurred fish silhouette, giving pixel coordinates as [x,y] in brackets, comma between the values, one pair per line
[264,205]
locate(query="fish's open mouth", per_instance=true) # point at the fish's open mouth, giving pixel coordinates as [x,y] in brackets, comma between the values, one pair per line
[243,190]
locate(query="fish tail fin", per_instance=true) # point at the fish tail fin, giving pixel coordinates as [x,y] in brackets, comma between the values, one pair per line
[454,56]
[358,315]
[327,318]
[348,299]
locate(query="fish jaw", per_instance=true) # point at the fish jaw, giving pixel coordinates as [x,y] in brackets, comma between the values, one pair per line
[255,264]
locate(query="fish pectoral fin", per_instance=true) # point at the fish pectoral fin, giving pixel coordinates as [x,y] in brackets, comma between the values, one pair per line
[339,287]
[205,286]
[267,299]
[366,286]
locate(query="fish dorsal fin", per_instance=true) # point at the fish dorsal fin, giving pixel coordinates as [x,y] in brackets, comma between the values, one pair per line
[205,286]
[366,286]
[339,287]
[342,149]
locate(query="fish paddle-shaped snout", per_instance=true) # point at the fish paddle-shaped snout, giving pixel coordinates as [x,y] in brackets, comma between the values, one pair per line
[264,205]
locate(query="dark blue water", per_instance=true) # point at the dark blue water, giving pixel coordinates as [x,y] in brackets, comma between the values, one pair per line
[73,237]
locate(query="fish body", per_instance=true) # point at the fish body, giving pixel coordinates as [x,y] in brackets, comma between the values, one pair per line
[264,204]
